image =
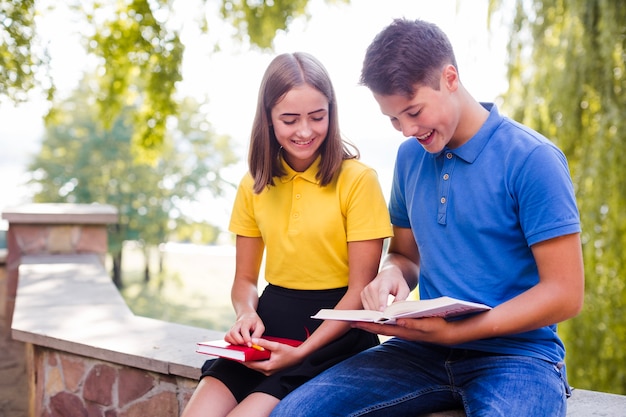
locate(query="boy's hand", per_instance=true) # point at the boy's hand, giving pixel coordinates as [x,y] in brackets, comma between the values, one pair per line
[389,281]
[430,329]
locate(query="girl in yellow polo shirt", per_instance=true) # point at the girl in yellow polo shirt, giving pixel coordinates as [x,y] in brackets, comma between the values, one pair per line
[320,217]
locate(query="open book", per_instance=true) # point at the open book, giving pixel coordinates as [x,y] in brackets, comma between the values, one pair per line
[436,307]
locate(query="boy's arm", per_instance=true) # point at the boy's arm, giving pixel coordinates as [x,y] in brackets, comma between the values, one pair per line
[557,297]
[398,274]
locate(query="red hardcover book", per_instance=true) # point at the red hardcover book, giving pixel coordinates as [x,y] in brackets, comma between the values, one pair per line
[240,353]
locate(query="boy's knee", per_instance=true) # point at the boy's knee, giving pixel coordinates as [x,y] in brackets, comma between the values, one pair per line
[297,403]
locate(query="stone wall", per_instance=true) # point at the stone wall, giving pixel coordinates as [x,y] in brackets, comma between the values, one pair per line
[89,355]
[72,385]
[13,375]
[52,229]
[71,347]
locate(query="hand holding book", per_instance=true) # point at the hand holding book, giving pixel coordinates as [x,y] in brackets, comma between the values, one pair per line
[445,307]
[240,353]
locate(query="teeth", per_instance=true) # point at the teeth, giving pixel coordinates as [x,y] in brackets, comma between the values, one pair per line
[424,136]
[302,143]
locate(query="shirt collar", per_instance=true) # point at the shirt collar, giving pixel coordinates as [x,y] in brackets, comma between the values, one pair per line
[309,174]
[470,150]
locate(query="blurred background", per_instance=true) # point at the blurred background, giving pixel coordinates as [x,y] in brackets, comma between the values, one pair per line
[147,106]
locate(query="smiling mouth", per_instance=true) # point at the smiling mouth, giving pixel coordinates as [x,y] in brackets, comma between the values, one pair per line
[302,143]
[425,136]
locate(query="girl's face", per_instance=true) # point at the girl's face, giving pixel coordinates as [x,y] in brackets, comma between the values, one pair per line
[300,121]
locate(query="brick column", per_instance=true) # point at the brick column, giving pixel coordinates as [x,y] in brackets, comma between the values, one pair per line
[40,229]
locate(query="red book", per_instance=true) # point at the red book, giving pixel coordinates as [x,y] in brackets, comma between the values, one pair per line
[240,353]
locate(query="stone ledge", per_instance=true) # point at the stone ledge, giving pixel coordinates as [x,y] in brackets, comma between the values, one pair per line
[61,213]
[582,403]
[585,403]
[68,303]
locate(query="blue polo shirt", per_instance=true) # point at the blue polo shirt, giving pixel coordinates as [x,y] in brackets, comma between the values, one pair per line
[476,210]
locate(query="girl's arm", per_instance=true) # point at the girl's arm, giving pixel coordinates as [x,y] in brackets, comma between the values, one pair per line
[244,293]
[399,273]
[364,259]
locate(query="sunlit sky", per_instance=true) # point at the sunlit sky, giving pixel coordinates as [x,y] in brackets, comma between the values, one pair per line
[337,34]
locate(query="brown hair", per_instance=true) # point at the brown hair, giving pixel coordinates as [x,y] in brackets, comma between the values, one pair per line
[285,72]
[406,53]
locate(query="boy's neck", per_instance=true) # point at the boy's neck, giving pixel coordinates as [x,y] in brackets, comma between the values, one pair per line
[473,116]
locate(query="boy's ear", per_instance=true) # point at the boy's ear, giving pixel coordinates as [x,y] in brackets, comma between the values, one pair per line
[450,77]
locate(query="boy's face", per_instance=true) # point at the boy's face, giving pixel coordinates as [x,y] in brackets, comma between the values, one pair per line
[431,116]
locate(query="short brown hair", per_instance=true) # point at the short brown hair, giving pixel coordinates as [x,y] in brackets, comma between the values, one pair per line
[405,54]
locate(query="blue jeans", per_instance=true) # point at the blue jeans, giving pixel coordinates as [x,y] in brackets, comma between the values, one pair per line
[401,378]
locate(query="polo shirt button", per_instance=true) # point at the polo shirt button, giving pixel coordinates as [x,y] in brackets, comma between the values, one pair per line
[298,196]
[443,200]
[449,155]
[446,176]
[296,215]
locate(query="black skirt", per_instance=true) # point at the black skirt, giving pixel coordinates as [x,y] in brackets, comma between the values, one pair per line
[287,313]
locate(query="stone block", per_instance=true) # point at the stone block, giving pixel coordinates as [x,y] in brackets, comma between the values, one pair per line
[62,239]
[92,239]
[65,404]
[133,384]
[30,239]
[164,404]
[99,384]
[73,372]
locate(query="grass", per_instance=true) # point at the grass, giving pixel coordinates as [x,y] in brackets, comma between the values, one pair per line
[193,288]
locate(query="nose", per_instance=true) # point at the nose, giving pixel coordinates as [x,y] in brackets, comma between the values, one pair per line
[408,128]
[304,129]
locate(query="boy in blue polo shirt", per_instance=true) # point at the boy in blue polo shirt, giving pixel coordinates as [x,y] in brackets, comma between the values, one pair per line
[483,210]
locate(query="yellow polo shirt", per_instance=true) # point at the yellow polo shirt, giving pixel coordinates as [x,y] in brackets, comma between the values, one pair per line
[306,227]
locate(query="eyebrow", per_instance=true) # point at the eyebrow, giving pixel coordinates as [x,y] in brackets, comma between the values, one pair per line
[406,109]
[309,113]
[410,107]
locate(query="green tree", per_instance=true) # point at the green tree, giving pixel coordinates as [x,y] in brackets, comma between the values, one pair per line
[567,78]
[134,42]
[80,162]
[18,63]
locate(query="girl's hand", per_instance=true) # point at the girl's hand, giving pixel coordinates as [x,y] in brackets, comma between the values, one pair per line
[247,327]
[283,356]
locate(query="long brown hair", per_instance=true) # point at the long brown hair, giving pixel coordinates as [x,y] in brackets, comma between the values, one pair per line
[285,72]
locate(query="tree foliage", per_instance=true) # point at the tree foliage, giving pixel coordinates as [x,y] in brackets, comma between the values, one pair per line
[260,20]
[135,47]
[80,162]
[134,43]
[567,78]
[18,63]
